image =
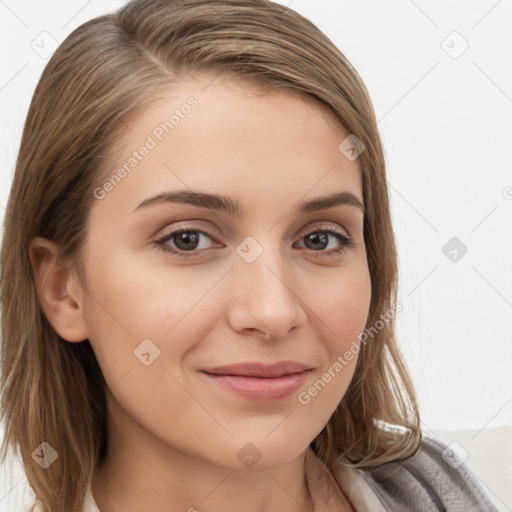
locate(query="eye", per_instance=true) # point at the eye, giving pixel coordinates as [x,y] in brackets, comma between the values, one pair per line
[192,242]
[184,240]
[321,239]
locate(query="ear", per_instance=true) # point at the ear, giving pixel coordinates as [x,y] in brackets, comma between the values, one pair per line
[60,293]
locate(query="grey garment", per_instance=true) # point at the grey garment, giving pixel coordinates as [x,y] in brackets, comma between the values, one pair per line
[434,479]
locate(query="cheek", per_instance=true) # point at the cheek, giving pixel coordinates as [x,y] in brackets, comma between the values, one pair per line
[138,314]
[142,321]
[141,300]
[341,312]
[343,309]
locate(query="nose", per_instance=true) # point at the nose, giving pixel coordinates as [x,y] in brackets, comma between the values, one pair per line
[265,300]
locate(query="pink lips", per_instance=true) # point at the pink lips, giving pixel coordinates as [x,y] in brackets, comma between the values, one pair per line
[259,382]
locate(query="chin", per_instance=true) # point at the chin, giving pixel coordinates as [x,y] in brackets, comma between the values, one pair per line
[262,452]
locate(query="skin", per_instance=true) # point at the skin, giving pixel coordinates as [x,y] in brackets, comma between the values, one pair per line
[174,438]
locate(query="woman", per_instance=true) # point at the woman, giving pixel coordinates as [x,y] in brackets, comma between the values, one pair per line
[198,241]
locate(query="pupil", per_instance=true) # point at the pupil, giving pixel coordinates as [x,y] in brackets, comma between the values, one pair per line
[189,240]
[318,238]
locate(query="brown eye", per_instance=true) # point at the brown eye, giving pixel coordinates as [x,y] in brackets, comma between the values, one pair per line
[184,242]
[319,240]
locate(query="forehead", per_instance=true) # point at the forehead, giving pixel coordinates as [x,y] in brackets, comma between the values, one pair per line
[224,136]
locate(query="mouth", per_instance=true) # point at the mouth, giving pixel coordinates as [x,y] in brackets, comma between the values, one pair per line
[258,382]
[259,369]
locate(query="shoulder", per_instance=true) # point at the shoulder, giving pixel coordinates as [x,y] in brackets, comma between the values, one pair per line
[433,479]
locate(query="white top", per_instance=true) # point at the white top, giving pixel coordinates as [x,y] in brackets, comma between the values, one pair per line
[90,504]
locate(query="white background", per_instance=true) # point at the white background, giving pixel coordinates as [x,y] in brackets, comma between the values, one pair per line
[446,124]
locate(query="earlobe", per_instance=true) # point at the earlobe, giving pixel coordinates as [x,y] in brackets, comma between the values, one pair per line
[59,292]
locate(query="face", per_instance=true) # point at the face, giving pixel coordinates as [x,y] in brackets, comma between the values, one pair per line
[182,284]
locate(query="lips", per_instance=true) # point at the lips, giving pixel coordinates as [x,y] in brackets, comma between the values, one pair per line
[259,382]
[259,369]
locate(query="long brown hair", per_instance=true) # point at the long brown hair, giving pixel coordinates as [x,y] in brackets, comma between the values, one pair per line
[53,391]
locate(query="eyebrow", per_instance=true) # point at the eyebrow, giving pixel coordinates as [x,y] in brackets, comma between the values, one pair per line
[232,207]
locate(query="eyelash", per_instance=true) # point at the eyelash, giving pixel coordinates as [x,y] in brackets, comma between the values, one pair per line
[346,241]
